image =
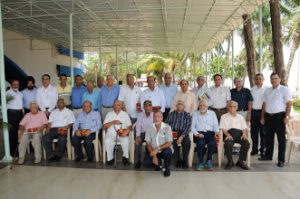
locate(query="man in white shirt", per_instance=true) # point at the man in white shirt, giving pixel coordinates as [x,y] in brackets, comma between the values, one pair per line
[130,97]
[234,128]
[117,123]
[202,92]
[257,129]
[155,95]
[46,96]
[220,96]
[14,114]
[60,120]
[275,115]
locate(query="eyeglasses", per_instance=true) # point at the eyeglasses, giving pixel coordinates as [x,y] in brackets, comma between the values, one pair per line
[45,79]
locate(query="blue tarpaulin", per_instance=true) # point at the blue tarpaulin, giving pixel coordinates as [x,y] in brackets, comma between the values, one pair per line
[67,70]
[66,51]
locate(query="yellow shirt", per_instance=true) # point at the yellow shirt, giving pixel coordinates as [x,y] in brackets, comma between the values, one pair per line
[64,93]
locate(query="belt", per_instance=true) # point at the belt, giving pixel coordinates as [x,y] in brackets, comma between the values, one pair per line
[218,109]
[256,109]
[205,131]
[77,108]
[243,109]
[107,106]
[275,114]
[15,111]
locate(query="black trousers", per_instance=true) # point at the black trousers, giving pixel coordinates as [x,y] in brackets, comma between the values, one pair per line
[166,113]
[186,144]
[257,130]
[275,124]
[228,145]
[88,144]
[138,148]
[14,118]
[47,140]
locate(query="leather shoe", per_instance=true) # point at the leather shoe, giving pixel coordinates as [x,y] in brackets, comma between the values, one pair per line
[111,162]
[89,160]
[167,173]
[178,164]
[254,153]
[138,165]
[229,165]
[264,158]
[78,159]
[52,159]
[125,161]
[184,165]
[280,164]
[242,165]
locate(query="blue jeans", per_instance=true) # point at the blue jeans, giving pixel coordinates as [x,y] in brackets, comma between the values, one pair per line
[210,141]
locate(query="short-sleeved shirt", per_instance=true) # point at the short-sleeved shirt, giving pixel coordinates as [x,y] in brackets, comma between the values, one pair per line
[28,97]
[123,117]
[230,122]
[159,138]
[169,93]
[258,96]
[61,118]
[65,93]
[220,96]
[92,97]
[276,99]
[242,97]
[130,97]
[34,120]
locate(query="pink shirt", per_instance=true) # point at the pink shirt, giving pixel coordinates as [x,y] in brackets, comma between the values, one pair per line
[34,120]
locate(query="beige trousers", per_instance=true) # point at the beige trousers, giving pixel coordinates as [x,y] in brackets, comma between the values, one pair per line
[35,139]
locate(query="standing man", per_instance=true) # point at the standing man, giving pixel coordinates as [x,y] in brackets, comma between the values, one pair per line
[220,97]
[275,114]
[29,94]
[243,97]
[100,83]
[108,95]
[91,95]
[169,91]
[202,92]
[76,97]
[188,97]
[46,96]
[130,97]
[64,90]
[14,113]
[257,128]
[155,95]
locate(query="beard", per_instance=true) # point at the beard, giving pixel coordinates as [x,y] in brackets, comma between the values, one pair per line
[30,87]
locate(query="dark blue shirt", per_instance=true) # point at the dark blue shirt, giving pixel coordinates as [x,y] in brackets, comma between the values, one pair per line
[242,97]
[76,96]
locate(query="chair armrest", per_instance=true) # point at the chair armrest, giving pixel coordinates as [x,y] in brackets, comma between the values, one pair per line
[191,136]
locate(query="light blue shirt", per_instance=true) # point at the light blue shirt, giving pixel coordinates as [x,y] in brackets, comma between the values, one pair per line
[91,121]
[28,97]
[108,97]
[207,122]
[169,93]
[93,98]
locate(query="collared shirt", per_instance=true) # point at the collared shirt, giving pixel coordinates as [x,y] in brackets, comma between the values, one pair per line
[90,121]
[276,99]
[220,96]
[180,122]
[17,102]
[123,117]
[189,99]
[76,97]
[156,97]
[97,89]
[130,97]
[143,122]
[229,122]
[34,120]
[92,97]
[200,94]
[169,93]
[61,118]
[108,97]
[242,97]
[46,98]
[159,138]
[206,122]
[64,93]
[28,97]
[258,96]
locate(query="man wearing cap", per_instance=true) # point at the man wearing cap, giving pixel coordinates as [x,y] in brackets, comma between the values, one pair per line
[29,94]
[180,122]
[144,119]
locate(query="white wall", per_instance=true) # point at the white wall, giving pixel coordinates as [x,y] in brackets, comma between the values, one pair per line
[34,57]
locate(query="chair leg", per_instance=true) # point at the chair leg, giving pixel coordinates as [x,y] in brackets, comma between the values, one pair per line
[191,155]
[96,145]
[131,150]
[103,147]
[69,150]
[73,153]
[289,150]
[44,153]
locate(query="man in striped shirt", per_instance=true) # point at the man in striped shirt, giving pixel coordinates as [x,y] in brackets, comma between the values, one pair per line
[180,122]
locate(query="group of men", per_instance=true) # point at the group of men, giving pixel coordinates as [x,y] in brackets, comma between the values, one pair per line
[164,117]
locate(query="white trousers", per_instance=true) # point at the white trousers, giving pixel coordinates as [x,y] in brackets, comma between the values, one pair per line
[110,141]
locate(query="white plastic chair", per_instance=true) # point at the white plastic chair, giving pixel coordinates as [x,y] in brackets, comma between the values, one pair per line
[293,136]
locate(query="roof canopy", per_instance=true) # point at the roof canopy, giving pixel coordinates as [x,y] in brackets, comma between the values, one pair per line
[132,25]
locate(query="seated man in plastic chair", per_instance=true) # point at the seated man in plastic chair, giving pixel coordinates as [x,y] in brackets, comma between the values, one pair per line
[159,143]
[234,128]
[180,122]
[60,120]
[86,125]
[144,119]
[204,127]
[33,123]
[118,125]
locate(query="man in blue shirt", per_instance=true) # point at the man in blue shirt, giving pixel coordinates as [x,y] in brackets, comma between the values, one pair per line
[76,97]
[85,127]
[91,95]
[169,91]
[108,94]
[29,94]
